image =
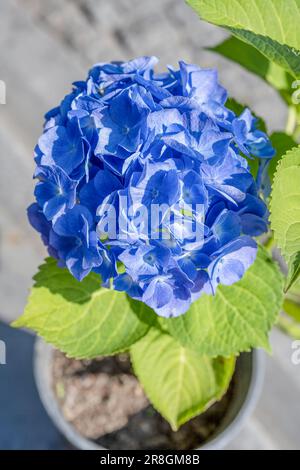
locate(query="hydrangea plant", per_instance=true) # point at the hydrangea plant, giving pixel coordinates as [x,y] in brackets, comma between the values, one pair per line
[152,190]
[128,141]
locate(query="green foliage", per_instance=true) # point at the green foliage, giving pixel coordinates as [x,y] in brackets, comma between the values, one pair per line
[85,321]
[180,383]
[271,26]
[255,62]
[289,322]
[282,55]
[281,143]
[285,211]
[82,319]
[237,318]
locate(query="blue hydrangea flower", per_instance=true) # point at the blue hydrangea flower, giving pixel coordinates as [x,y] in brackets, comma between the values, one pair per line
[75,241]
[56,191]
[143,178]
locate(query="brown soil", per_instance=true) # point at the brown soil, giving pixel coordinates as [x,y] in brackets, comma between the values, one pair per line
[104,401]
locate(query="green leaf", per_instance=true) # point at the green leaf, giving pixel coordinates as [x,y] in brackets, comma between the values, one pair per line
[282,143]
[282,55]
[255,62]
[271,26]
[81,318]
[289,322]
[291,304]
[238,317]
[277,19]
[180,383]
[285,211]
[294,270]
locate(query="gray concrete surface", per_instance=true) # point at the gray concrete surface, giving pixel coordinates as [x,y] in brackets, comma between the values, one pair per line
[44,46]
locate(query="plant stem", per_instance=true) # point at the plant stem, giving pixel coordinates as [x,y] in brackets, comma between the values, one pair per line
[269,243]
[292,121]
[289,327]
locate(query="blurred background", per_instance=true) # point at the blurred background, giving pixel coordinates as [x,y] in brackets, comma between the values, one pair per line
[44,47]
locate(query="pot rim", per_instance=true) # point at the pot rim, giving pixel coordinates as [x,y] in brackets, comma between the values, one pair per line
[43,353]
[254,391]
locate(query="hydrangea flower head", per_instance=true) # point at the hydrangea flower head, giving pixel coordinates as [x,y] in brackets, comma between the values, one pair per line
[143,178]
